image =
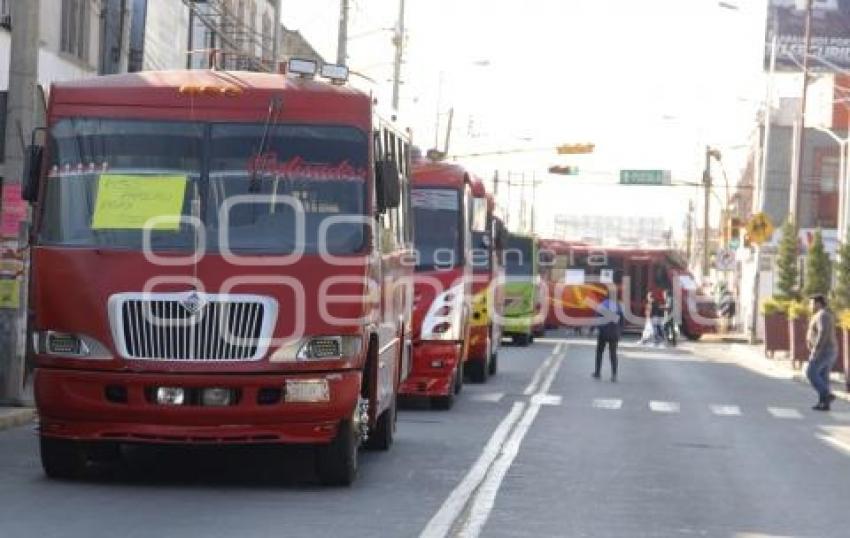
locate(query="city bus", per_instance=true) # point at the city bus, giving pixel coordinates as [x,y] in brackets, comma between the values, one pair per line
[579,274]
[522,296]
[218,259]
[486,328]
[442,206]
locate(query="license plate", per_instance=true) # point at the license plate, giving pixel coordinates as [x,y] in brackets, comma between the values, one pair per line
[309,390]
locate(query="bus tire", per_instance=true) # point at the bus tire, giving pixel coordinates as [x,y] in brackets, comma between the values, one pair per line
[443,403]
[458,380]
[691,337]
[382,437]
[478,371]
[336,462]
[62,459]
[523,340]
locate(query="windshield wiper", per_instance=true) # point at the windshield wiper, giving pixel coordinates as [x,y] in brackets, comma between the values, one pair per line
[275,107]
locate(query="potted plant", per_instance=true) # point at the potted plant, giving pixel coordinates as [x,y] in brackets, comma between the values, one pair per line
[798,323]
[775,312]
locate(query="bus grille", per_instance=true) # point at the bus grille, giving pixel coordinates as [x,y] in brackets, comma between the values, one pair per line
[207,329]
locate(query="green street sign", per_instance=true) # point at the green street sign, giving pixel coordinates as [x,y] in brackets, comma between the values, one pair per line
[645,177]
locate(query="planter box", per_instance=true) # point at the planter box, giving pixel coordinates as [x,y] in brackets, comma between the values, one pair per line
[797,340]
[775,333]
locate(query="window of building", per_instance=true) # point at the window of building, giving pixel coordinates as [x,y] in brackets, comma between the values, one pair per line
[76,28]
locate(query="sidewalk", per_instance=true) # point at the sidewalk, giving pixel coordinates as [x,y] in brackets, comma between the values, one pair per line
[11,417]
[735,347]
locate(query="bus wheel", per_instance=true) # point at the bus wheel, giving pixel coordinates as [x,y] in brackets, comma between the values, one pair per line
[689,335]
[522,340]
[478,371]
[336,462]
[62,458]
[381,438]
[494,363]
[443,403]
[461,365]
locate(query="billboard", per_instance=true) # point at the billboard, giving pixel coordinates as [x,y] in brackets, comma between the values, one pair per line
[830,50]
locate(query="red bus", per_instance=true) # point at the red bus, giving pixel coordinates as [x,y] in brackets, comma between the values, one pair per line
[485,333]
[442,203]
[217,259]
[578,274]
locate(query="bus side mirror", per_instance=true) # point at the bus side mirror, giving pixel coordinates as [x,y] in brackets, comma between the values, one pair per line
[387,185]
[32,173]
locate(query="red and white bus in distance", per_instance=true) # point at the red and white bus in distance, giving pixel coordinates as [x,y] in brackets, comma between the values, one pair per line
[442,205]
[218,259]
[578,274]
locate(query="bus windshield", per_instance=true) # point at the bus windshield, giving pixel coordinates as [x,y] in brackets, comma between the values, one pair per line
[108,178]
[519,256]
[436,227]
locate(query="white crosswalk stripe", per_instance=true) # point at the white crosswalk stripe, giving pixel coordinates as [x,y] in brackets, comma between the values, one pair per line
[726,410]
[487,397]
[603,403]
[664,407]
[843,416]
[784,412]
[546,399]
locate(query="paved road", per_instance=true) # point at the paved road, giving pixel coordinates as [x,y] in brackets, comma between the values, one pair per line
[682,445]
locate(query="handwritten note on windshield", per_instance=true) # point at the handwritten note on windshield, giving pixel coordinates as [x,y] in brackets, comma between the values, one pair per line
[126,202]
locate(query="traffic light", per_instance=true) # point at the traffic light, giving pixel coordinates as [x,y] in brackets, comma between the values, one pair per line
[575,149]
[564,170]
[733,239]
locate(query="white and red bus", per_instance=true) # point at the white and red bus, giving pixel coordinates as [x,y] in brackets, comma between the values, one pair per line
[218,259]
[577,275]
[442,205]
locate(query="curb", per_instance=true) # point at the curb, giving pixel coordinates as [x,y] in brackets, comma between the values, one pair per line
[15,416]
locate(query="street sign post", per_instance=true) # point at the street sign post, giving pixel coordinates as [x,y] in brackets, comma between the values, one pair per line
[645,177]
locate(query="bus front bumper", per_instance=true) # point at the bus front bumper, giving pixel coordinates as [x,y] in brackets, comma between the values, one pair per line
[121,406]
[432,371]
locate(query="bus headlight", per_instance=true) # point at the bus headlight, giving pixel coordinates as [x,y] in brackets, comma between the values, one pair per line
[72,345]
[318,348]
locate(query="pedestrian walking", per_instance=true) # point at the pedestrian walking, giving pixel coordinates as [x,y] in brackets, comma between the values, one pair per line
[669,321]
[608,334]
[657,316]
[823,351]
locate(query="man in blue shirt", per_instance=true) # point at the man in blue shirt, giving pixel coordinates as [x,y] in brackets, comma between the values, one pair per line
[610,325]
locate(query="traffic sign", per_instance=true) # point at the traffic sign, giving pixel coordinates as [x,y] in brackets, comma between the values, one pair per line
[759,228]
[645,177]
[724,260]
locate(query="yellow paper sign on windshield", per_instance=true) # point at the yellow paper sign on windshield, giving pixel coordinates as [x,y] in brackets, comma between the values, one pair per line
[9,293]
[127,202]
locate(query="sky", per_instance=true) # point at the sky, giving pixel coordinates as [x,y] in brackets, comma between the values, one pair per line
[649,82]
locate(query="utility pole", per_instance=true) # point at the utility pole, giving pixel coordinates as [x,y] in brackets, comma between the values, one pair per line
[398,40]
[342,38]
[801,142]
[20,111]
[689,232]
[449,131]
[706,181]
[533,199]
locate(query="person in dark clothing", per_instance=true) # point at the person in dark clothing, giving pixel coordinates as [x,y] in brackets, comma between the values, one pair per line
[611,322]
[656,312]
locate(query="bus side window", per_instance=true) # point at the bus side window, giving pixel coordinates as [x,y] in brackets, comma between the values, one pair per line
[662,279]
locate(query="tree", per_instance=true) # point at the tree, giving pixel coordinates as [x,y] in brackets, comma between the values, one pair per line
[841,293]
[818,268]
[786,262]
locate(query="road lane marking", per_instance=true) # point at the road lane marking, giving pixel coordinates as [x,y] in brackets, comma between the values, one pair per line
[843,416]
[840,445]
[603,403]
[487,397]
[485,497]
[442,521]
[547,399]
[784,412]
[535,379]
[664,407]
[726,410]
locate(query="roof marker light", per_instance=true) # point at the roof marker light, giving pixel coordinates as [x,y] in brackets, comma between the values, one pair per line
[305,68]
[338,74]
